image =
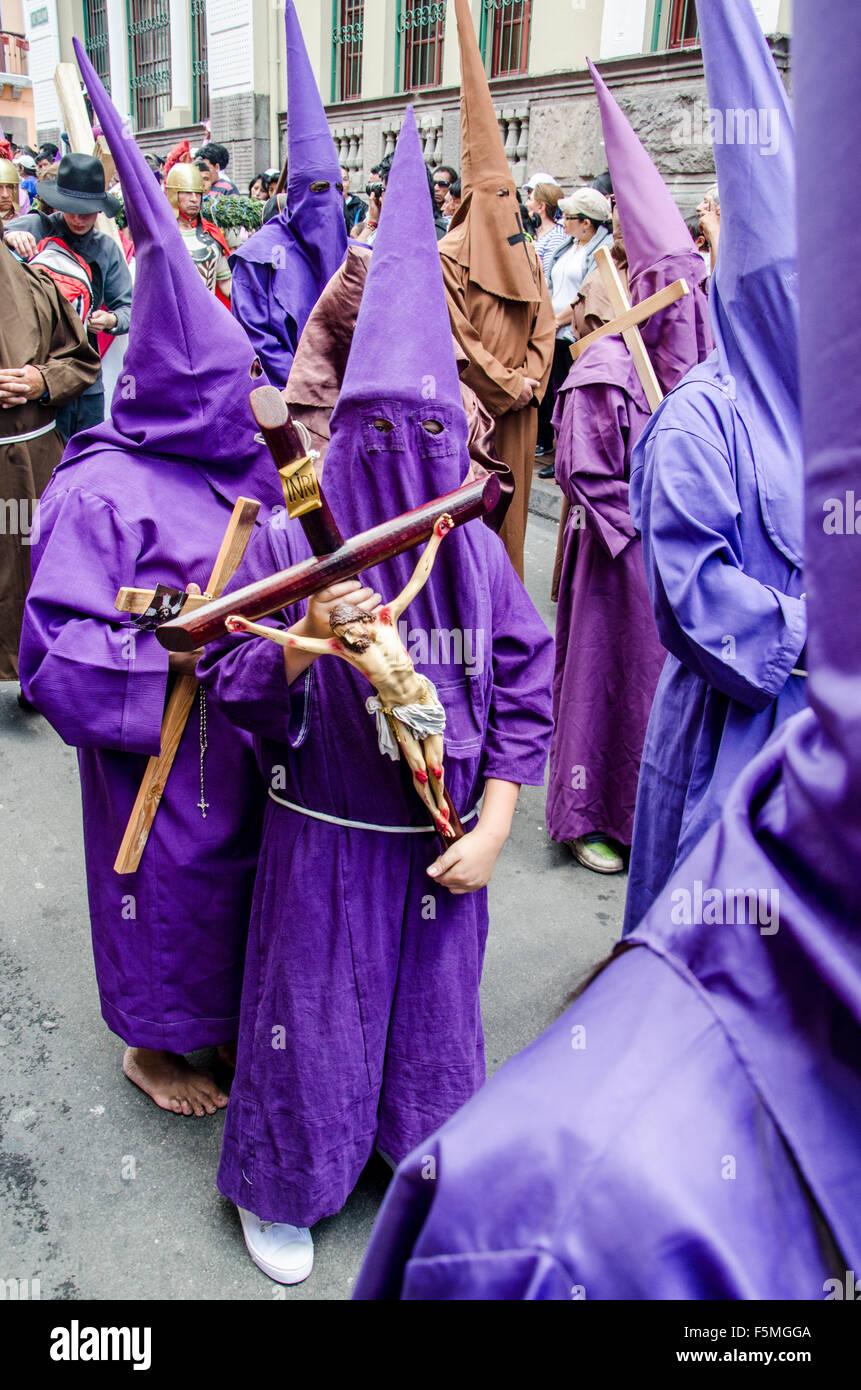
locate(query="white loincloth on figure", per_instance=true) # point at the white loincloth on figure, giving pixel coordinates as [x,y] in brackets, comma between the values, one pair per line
[422,720]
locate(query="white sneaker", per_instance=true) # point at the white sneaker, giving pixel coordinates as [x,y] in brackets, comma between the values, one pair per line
[284,1252]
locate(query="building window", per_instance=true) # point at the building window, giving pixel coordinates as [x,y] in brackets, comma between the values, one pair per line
[419,45]
[96,38]
[199,62]
[675,24]
[505,33]
[149,61]
[347,36]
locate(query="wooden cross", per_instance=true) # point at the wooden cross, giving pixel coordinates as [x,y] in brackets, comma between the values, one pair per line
[334,558]
[181,700]
[627,319]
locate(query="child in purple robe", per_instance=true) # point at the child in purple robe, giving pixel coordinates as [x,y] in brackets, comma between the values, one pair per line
[361,1026]
[716,493]
[144,499]
[690,1128]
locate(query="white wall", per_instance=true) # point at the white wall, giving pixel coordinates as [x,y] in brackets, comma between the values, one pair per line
[42,59]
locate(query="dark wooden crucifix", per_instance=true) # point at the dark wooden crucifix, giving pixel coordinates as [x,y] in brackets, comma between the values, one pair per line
[335,559]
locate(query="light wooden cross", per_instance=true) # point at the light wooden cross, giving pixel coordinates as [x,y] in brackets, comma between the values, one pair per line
[181,700]
[76,122]
[627,319]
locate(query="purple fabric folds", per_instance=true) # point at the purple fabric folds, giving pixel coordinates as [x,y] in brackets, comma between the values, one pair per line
[716,484]
[144,499]
[690,1128]
[280,272]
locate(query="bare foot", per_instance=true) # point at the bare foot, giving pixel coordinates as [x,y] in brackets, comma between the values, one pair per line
[172,1083]
[227,1053]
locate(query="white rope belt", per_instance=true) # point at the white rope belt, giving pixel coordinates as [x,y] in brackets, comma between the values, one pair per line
[361,824]
[797,671]
[31,434]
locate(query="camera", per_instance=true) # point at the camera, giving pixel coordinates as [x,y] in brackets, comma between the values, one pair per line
[375,190]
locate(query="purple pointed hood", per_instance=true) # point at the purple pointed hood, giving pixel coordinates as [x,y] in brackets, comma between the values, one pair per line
[754,290]
[186,378]
[399,429]
[304,245]
[789,995]
[658,246]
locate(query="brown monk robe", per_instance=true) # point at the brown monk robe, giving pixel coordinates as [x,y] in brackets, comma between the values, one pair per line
[318,370]
[45,361]
[500,308]
[591,308]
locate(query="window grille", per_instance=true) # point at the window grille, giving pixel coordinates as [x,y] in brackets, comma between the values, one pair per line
[347,36]
[149,61]
[96,38]
[505,27]
[420,36]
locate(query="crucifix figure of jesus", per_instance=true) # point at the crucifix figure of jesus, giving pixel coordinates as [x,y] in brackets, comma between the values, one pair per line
[410,717]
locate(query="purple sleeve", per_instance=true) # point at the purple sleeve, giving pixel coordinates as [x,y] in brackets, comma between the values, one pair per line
[740,635]
[246,675]
[252,306]
[96,678]
[591,458]
[520,716]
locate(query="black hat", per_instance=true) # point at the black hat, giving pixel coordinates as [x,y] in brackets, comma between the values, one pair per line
[80,187]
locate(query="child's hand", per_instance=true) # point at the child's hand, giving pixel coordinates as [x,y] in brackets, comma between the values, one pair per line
[468,864]
[316,620]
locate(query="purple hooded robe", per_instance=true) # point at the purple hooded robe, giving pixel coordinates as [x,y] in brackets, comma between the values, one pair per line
[361,1025]
[608,656]
[716,493]
[690,1128]
[280,272]
[143,499]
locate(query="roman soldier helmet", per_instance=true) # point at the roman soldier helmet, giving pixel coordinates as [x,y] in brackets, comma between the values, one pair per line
[8,172]
[182,178]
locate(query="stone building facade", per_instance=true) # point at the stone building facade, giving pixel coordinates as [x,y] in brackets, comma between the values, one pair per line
[216,69]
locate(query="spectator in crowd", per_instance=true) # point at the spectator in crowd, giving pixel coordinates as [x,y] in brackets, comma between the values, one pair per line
[27,172]
[40,202]
[206,175]
[156,163]
[709,215]
[542,204]
[452,201]
[604,184]
[270,180]
[256,189]
[46,158]
[443,178]
[79,196]
[8,190]
[366,230]
[586,213]
[217,158]
[355,208]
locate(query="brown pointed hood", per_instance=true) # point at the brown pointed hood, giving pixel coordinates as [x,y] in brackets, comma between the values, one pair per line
[486,235]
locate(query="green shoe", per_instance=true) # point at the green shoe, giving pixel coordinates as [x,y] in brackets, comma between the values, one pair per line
[596,853]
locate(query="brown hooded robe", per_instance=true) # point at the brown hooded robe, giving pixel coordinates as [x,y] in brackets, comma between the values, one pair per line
[501,313]
[39,328]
